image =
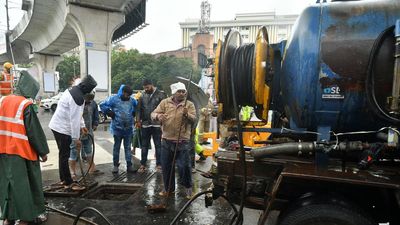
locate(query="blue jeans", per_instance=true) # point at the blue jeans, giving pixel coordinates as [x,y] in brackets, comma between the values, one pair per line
[86,149]
[127,147]
[147,133]
[182,161]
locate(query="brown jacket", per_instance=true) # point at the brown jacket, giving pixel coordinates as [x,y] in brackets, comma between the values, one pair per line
[170,127]
[205,112]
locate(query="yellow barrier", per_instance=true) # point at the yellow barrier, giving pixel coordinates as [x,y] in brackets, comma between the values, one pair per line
[209,151]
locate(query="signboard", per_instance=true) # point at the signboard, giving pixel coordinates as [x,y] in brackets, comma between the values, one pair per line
[3,43]
[3,27]
[49,82]
[97,64]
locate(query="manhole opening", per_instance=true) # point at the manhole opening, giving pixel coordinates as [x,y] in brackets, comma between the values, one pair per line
[112,192]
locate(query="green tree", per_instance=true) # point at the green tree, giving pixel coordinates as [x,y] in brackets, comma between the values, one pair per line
[131,67]
[66,69]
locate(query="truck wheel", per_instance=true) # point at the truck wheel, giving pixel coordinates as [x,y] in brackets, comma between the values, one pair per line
[324,214]
[102,117]
[53,107]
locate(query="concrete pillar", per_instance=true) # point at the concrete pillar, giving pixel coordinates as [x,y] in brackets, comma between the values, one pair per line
[94,28]
[45,64]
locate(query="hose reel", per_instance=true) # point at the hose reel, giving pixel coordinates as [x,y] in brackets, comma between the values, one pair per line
[249,66]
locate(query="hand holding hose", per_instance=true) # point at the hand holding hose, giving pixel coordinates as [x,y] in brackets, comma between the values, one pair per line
[84,131]
[78,144]
[185,111]
[162,117]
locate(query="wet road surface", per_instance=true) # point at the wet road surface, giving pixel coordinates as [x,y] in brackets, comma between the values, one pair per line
[130,208]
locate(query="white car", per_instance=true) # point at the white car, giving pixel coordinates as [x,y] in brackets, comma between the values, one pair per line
[51,103]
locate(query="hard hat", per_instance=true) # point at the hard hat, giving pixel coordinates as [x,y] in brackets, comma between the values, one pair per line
[7,65]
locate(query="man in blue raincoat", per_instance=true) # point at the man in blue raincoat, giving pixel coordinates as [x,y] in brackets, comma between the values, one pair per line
[121,108]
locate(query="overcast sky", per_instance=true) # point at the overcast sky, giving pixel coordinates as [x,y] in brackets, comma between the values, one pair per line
[163,16]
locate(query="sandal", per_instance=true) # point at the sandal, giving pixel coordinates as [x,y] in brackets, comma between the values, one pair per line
[75,187]
[58,184]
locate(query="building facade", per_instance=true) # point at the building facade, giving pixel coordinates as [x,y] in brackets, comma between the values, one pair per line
[201,48]
[279,27]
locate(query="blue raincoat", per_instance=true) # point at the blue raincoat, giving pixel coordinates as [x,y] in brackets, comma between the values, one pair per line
[122,124]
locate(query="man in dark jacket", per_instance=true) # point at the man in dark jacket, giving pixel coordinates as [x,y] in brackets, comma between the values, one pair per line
[149,101]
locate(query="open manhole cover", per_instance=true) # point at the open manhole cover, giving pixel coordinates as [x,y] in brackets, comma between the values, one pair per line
[113,191]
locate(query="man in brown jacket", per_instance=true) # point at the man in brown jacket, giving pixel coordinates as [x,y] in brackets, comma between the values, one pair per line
[176,114]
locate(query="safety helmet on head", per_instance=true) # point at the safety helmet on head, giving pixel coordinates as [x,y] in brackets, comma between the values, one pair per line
[7,66]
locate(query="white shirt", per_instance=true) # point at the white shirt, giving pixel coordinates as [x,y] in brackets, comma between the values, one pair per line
[68,117]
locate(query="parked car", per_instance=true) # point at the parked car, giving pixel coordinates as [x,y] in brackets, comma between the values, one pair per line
[102,116]
[51,103]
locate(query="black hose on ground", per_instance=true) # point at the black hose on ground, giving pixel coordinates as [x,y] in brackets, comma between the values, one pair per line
[234,209]
[183,209]
[93,210]
[67,214]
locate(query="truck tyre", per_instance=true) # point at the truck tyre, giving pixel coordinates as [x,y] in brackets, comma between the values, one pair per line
[324,214]
[53,107]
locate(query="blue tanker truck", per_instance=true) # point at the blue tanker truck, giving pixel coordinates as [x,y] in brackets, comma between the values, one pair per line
[331,92]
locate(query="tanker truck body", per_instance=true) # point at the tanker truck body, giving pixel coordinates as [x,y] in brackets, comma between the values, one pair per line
[331,91]
[325,65]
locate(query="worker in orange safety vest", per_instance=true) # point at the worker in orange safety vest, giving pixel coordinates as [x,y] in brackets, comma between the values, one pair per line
[6,79]
[23,145]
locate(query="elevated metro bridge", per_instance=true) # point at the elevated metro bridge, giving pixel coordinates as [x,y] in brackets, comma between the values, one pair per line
[50,28]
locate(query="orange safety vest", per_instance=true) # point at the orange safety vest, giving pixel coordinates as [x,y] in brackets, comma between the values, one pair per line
[13,138]
[6,84]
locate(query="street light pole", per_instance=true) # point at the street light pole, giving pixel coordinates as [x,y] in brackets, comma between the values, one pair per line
[8,18]
[74,67]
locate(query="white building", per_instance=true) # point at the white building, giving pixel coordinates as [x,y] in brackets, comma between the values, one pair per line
[279,27]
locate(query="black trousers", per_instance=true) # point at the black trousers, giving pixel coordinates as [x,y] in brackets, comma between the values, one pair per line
[63,144]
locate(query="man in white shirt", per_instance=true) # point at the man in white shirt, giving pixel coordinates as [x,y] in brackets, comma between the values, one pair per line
[66,125]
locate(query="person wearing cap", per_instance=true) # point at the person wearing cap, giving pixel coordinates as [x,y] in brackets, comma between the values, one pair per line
[91,118]
[176,116]
[6,79]
[23,146]
[121,108]
[148,101]
[67,123]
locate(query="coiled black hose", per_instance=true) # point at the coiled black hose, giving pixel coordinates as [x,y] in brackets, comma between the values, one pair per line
[242,153]
[241,74]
